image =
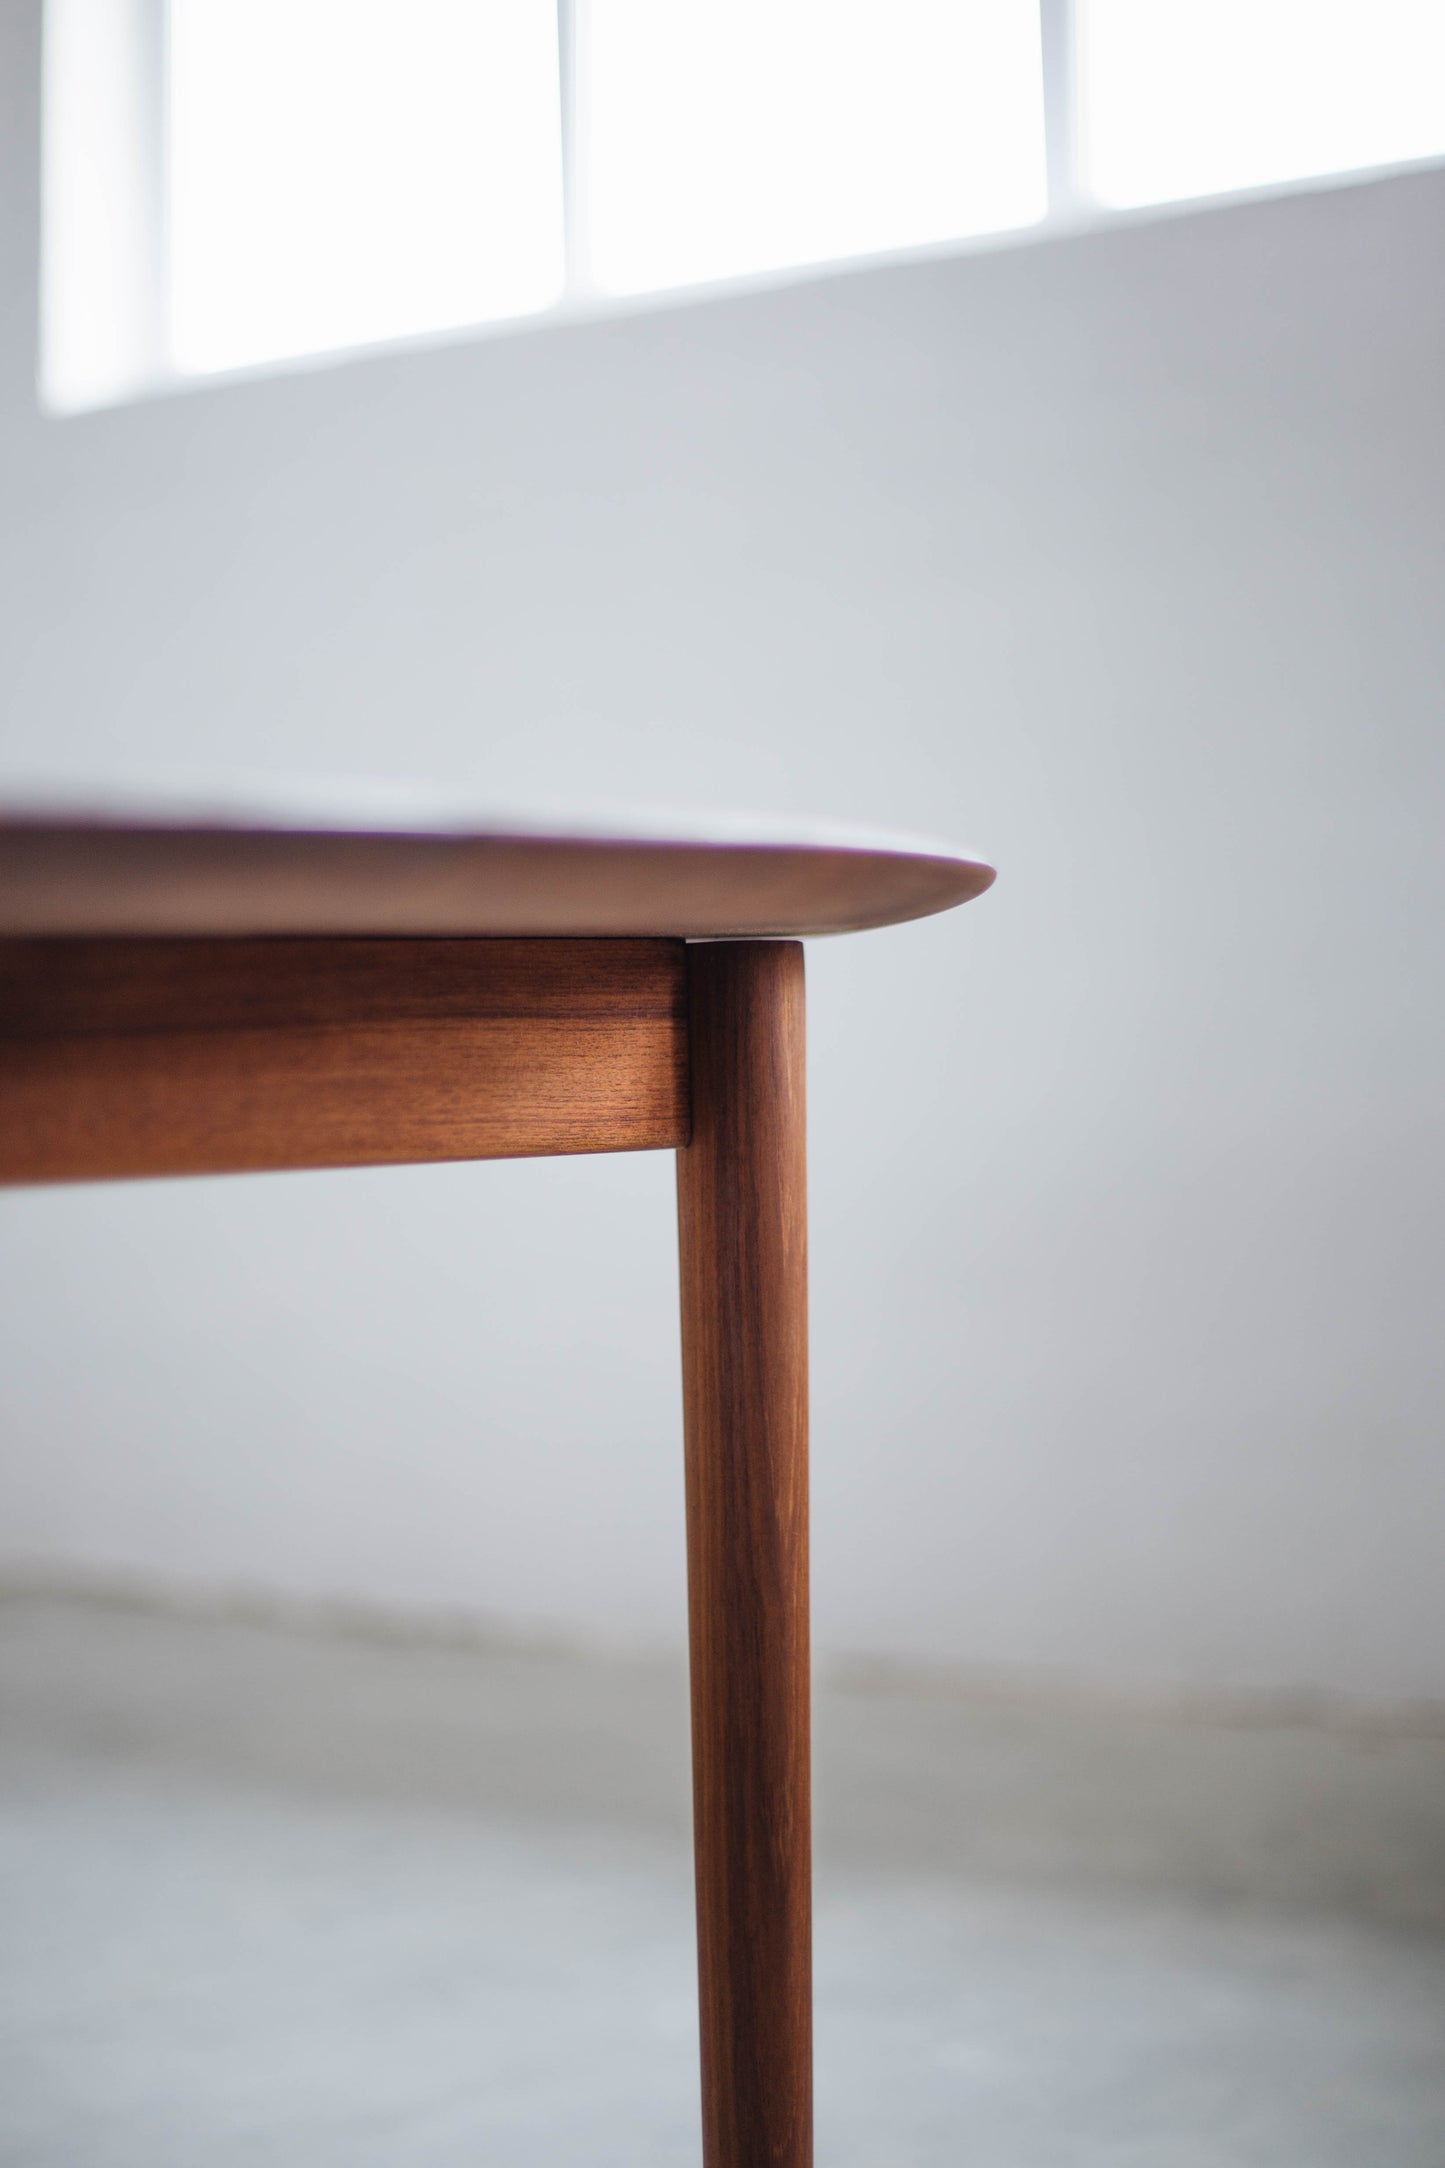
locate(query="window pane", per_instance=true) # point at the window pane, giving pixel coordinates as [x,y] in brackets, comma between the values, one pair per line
[348,170]
[1195,97]
[724,139]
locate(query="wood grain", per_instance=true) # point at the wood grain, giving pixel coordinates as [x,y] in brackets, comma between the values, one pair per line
[122,1058]
[743,1227]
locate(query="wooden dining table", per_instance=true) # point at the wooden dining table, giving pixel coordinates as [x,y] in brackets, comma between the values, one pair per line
[224,987]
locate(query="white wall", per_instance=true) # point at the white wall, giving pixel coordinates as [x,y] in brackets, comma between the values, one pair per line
[1120,557]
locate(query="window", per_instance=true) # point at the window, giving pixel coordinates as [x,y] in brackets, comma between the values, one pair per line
[341,171]
[234,182]
[725,140]
[1198,97]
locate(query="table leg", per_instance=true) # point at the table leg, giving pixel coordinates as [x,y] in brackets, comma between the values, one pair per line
[743,1225]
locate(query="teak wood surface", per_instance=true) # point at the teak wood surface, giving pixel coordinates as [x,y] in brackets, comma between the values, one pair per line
[123,1058]
[742,1220]
[206,990]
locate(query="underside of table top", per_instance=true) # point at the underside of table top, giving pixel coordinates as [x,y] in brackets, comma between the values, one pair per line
[410,870]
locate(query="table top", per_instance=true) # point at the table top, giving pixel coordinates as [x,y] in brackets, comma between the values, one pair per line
[394,862]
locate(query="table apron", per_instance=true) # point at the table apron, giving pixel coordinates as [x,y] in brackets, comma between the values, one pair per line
[122,1057]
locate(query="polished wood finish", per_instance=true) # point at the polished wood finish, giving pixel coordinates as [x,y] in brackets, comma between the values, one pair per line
[438,871]
[207,1057]
[198,990]
[743,1228]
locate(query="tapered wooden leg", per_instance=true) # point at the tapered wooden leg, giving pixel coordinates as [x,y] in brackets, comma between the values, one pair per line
[742,1215]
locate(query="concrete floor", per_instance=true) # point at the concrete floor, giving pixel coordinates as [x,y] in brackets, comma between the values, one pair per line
[309,1898]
